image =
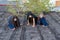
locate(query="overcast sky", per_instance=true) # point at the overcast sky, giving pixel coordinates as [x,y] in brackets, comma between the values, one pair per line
[53,0]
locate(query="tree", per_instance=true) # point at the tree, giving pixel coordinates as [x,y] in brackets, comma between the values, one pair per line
[14,8]
[37,5]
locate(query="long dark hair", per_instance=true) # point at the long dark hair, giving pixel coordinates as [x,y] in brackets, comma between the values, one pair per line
[30,19]
[17,22]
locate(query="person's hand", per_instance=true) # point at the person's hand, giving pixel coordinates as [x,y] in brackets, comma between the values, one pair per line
[13,29]
[33,26]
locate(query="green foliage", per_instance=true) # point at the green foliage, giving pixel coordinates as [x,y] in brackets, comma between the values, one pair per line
[37,5]
[12,10]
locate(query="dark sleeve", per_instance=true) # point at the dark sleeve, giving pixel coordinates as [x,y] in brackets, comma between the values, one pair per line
[28,15]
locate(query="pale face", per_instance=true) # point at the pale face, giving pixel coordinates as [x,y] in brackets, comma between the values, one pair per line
[41,15]
[30,16]
[15,19]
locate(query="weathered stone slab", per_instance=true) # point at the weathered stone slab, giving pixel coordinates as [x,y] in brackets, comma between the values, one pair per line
[53,25]
[46,33]
[32,33]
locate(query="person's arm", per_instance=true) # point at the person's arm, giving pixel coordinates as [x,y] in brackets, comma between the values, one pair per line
[33,22]
[28,22]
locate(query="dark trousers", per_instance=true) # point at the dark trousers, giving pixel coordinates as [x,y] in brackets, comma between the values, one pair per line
[42,21]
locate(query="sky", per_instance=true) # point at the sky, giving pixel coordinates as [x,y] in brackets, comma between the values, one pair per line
[53,1]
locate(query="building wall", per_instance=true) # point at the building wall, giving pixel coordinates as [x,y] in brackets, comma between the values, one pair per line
[57,3]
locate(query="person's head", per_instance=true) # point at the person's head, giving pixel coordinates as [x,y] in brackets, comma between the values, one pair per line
[15,18]
[30,15]
[41,15]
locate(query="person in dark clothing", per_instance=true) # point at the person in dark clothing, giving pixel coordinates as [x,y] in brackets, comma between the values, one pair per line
[16,21]
[13,22]
[31,19]
[10,24]
[42,20]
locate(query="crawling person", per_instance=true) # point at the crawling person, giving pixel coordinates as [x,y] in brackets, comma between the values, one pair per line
[16,21]
[41,20]
[31,19]
[10,24]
